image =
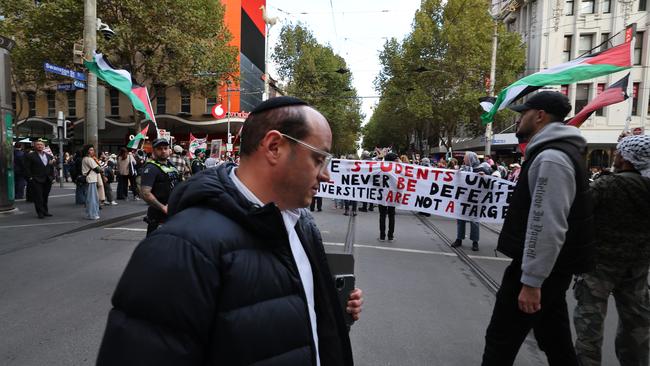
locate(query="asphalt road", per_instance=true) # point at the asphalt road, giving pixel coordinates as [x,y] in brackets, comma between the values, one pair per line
[424,306]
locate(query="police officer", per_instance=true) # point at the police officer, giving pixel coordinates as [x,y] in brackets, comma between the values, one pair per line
[198,164]
[159,177]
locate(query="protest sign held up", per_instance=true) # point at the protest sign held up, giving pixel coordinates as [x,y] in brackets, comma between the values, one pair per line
[442,192]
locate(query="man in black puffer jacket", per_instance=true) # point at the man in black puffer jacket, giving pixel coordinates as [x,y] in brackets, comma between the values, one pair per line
[238,274]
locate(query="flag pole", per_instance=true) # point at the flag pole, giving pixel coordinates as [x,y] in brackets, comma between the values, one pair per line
[493,66]
[630,86]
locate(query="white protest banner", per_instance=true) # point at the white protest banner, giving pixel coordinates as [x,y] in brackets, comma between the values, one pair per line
[442,192]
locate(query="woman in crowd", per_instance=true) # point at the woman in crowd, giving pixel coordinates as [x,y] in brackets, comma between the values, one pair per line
[90,169]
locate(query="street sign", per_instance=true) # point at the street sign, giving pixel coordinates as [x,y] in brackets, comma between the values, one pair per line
[63,71]
[6,43]
[218,111]
[60,141]
[229,147]
[65,86]
[71,86]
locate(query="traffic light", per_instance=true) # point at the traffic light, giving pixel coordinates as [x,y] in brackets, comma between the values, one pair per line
[69,129]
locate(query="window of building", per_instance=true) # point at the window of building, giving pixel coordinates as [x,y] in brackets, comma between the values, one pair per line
[566,55]
[635,99]
[599,89]
[642,5]
[564,89]
[587,7]
[585,44]
[604,43]
[72,103]
[161,103]
[607,6]
[638,48]
[209,103]
[582,96]
[115,102]
[31,102]
[568,7]
[51,103]
[185,100]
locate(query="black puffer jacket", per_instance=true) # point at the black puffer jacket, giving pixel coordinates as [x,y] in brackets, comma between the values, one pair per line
[218,285]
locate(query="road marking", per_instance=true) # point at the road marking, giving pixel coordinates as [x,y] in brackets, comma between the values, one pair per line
[43,224]
[418,251]
[125,228]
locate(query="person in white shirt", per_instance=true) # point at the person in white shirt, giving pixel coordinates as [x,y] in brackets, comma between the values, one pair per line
[238,274]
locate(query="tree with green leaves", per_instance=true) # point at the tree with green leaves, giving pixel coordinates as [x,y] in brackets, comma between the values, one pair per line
[314,73]
[161,42]
[436,75]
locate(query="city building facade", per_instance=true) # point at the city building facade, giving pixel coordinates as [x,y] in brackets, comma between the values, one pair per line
[556,31]
[177,110]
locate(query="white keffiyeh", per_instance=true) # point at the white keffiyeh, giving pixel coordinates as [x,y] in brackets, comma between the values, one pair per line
[636,150]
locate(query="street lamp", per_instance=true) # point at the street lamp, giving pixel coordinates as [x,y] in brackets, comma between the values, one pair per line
[269,22]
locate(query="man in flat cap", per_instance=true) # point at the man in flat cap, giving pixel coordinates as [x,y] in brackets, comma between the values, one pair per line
[238,274]
[548,234]
[622,209]
[159,177]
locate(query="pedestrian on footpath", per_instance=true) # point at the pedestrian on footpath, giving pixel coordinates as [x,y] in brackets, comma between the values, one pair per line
[126,174]
[39,170]
[470,164]
[238,275]
[622,209]
[91,171]
[108,173]
[19,171]
[79,179]
[387,210]
[548,233]
[159,177]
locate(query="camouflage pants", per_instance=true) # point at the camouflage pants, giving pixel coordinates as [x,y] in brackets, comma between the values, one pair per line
[629,285]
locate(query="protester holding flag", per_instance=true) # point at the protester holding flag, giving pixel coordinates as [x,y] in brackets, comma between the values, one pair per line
[622,208]
[548,233]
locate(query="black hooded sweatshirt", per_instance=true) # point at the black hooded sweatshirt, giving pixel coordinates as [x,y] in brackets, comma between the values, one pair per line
[218,285]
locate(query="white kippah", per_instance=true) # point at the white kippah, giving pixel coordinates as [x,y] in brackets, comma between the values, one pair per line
[636,150]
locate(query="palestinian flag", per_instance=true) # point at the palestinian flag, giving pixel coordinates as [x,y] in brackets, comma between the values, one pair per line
[142,94]
[615,93]
[120,80]
[135,143]
[615,59]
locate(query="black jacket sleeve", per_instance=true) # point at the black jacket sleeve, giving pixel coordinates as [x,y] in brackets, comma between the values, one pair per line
[28,165]
[163,307]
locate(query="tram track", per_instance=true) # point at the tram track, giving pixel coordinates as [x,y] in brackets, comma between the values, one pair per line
[490,283]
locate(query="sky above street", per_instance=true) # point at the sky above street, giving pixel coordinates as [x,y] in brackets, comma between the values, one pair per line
[356,30]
